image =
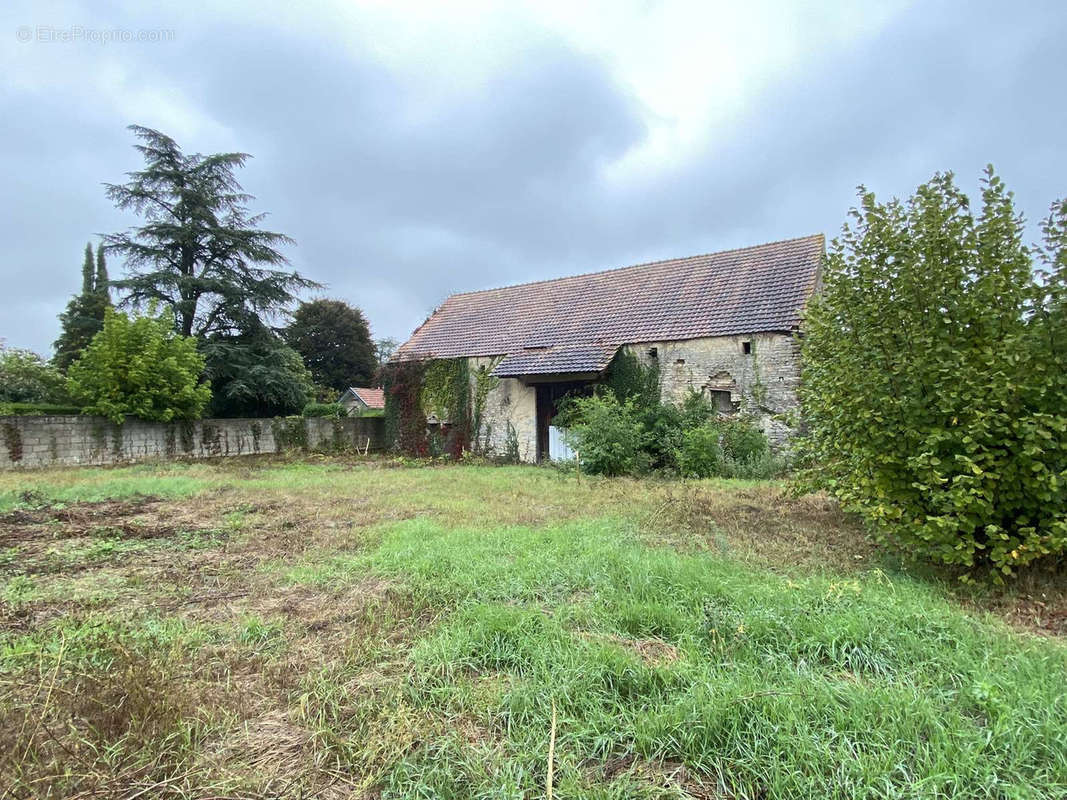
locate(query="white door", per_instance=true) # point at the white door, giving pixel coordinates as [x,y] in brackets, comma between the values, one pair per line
[558,449]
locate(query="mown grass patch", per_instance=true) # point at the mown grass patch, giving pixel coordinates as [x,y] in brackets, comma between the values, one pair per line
[34,489]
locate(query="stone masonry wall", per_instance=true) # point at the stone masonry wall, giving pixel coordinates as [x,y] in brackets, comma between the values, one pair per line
[509,402]
[763,383]
[71,441]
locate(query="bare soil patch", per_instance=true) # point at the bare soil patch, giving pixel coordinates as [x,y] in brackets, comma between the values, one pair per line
[652,651]
[766,525]
[27,525]
[671,776]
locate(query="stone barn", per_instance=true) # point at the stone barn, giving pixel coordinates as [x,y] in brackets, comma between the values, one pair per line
[725,324]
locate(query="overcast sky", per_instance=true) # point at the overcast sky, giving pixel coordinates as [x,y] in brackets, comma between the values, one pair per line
[417,149]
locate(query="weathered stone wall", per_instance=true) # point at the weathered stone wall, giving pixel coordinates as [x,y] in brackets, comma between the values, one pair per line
[509,402]
[762,383]
[72,441]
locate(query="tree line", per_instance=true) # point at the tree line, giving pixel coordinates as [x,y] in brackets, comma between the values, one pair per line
[201,322]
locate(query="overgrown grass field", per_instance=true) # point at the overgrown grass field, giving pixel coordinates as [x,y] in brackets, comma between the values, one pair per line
[332,629]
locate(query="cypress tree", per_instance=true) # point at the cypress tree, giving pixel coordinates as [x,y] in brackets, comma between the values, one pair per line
[87,269]
[84,315]
[101,285]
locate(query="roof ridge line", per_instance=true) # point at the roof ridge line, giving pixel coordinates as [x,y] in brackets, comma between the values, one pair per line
[619,269]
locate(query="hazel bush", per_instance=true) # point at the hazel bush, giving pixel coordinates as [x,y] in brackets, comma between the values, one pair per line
[139,366]
[935,378]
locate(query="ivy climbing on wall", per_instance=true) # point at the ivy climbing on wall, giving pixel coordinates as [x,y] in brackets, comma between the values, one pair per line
[629,379]
[482,383]
[759,388]
[12,441]
[445,389]
[405,420]
[446,394]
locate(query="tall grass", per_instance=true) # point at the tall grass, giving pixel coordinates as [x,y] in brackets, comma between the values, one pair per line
[760,685]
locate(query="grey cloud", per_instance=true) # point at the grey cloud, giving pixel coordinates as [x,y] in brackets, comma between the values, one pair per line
[397,198]
[438,201]
[52,203]
[934,92]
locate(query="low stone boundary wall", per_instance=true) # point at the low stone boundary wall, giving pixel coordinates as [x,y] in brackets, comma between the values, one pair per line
[73,441]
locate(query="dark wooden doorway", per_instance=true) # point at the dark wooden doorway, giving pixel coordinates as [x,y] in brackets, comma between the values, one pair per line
[549,396]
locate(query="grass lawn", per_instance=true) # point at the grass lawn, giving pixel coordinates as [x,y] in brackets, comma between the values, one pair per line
[331,629]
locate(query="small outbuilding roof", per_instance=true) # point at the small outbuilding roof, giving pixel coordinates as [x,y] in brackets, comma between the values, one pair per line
[371,398]
[576,324]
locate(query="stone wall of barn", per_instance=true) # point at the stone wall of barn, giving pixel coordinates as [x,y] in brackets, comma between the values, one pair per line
[509,405]
[762,382]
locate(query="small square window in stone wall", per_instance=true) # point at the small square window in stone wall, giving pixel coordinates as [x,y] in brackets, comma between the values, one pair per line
[720,399]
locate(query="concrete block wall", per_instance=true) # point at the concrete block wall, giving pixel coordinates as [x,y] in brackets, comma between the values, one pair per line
[27,442]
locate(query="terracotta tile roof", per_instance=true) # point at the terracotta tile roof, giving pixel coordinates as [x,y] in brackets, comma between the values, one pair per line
[576,324]
[554,360]
[372,398]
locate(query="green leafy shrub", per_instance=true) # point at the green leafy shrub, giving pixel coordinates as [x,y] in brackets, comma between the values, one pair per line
[700,454]
[728,447]
[25,377]
[333,410]
[741,439]
[696,409]
[662,424]
[616,437]
[935,378]
[746,453]
[663,434]
[608,434]
[761,466]
[139,366]
[367,413]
